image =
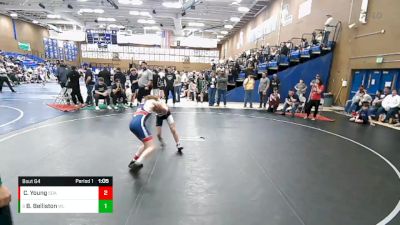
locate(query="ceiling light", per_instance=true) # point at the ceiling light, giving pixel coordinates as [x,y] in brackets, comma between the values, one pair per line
[235,19]
[146,21]
[134,13]
[115,26]
[228,26]
[224,32]
[159,32]
[137,13]
[82,0]
[243,9]
[35,21]
[90,11]
[220,36]
[52,16]
[105,19]
[195,24]
[14,15]
[151,28]
[98,10]
[131,2]
[175,5]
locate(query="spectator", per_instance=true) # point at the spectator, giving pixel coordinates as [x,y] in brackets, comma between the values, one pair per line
[263,89]
[222,86]
[275,82]
[61,74]
[161,83]
[248,85]
[42,73]
[192,90]
[101,92]
[292,100]
[89,81]
[120,76]
[5,199]
[301,88]
[133,77]
[145,80]
[156,80]
[315,98]
[330,27]
[363,116]
[377,102]
[169,85]
[390,107]
[212,88]
[274,100]
[178,86]
[73,83]
[358,100]
[118,93]
[201,87]
[4,78]
[106,75]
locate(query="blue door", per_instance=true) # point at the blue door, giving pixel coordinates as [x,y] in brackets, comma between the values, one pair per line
[359,78]
[373,81]
[396,78]
[388,79]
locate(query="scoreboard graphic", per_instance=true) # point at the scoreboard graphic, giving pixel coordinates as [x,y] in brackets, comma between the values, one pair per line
[65,194]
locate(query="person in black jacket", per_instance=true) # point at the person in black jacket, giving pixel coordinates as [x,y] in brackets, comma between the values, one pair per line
[120,76]
[169,79]
[5,199]
[73,77]
[106,75]
[89,81]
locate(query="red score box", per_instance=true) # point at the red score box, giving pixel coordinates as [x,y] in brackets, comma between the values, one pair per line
[105,193]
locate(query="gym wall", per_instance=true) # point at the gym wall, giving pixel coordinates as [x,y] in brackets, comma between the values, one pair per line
[26,32]
[382,14]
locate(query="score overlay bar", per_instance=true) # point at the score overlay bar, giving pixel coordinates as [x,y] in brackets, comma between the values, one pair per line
[65,194]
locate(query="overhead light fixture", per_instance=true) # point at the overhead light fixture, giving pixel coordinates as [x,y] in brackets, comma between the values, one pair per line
[82,0]
[52,16]
[146,21]
[111,26]
[224,32]
[35,21]
[228,26]
[195,24]
[137,13]
[106,19]
[235,19]
[243,9]
[42,6]
[99,11]
[220,36]
[151,28]
[131,2]
[13,15]
[159,32]
[175,5]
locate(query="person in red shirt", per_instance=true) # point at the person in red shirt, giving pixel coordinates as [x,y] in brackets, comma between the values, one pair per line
[315,98]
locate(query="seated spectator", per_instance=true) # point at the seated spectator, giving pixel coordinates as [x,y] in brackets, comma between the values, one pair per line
[101,92]
[355,104]
[377,102]
[363,116]
[292,100]
[301,88]
[118,93]
[274,100]
[390,107]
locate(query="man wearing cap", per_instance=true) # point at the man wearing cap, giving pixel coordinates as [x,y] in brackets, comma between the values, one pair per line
[145,80]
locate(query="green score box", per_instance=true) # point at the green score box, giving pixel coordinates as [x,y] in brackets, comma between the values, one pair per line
[105,206]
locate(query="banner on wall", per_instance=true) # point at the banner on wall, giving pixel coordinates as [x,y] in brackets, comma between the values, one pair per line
[305,9]
[286,17]
[267,27]
[24,46]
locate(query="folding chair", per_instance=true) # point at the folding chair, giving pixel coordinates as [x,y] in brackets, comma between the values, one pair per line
[64,97]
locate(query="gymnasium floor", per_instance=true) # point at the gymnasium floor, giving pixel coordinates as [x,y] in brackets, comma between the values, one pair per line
[250,168]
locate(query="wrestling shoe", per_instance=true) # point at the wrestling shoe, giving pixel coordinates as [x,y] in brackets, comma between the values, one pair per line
[179,147]
[135,165]
[97,108]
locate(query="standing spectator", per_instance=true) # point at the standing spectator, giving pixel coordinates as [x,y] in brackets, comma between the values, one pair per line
[222,86]
[61,74]
[106,75]
[155,86]
[178,86]
[101,92]
[274,100]
[292,100]
[89,81]
[120,76]
[390,107]
[301,88]
[73,77]
[4,78]
[133,77]
[330,26]
[275,82]
[248,85]
[315,98]
[263,89]
[212,88]
[169,85]
[201,87]
[145,80]
[42,73]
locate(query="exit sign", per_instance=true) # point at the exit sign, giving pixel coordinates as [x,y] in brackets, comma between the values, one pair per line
[379,59]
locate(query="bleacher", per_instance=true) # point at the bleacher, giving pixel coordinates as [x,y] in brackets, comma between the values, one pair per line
[27,60]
